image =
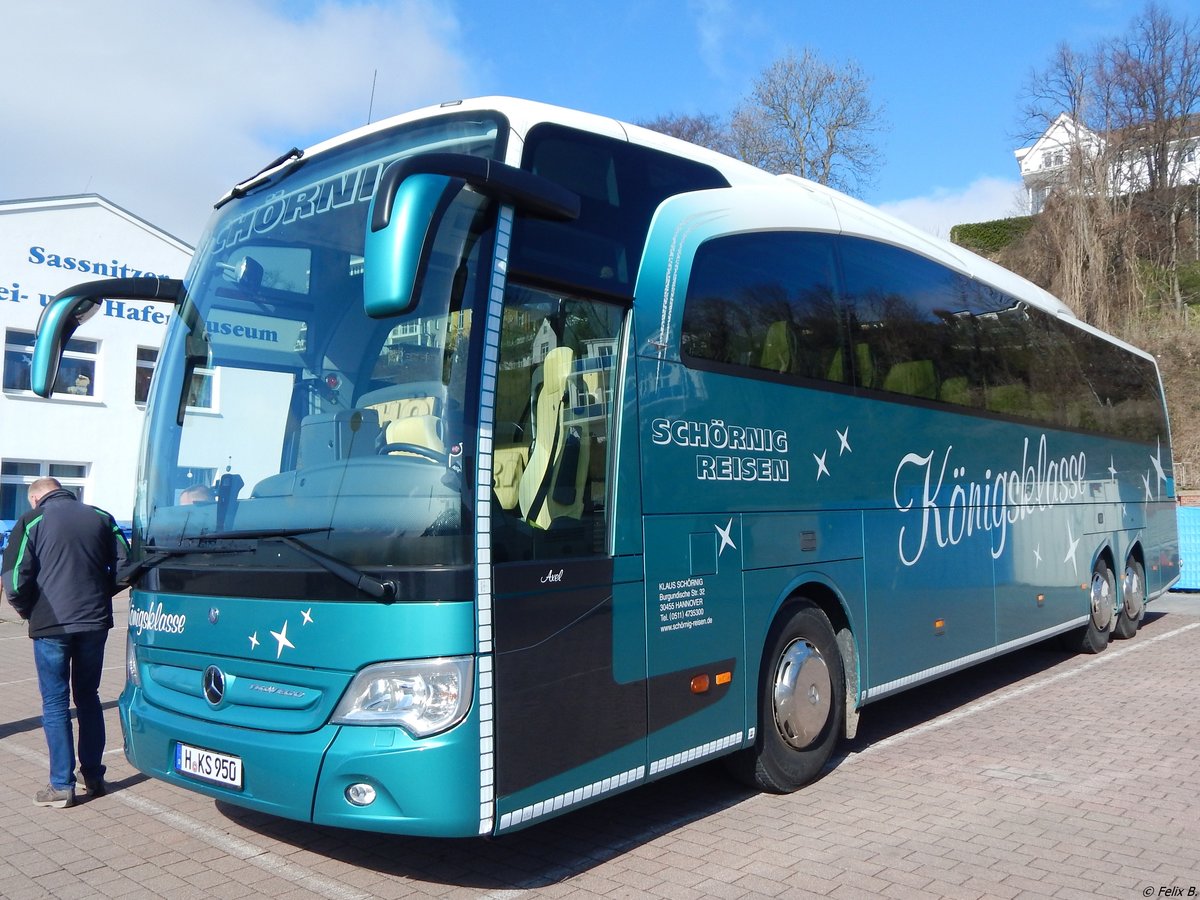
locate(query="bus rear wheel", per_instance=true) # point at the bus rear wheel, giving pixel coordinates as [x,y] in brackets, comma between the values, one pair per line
[801,701]
[1133,609]
[1094,636]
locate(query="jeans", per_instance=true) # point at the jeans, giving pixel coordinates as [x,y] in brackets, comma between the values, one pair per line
[72,664]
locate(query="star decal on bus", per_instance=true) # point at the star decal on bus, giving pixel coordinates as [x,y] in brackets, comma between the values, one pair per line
[254,642]
[726,540]
[1074,545]
[822,458]
[282,639]
[307,614]
[1146,485]
[822,469]
[1156,461]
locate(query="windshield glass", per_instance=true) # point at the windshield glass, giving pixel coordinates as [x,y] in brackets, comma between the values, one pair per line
[279,406]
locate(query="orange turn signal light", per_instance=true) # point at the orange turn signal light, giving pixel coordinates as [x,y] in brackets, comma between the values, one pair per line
[699,684]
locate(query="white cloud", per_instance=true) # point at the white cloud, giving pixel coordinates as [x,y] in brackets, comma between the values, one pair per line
[162,107]
[714,21]
[982,200]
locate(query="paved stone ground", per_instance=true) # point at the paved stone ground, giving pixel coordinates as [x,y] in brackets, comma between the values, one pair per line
[1038,775]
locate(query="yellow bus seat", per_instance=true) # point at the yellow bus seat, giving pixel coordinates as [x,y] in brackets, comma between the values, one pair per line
[778,348]
[552,484]
[914,378]
[508,465]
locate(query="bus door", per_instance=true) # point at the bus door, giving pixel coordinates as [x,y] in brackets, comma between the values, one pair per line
[570,692]
[694,636]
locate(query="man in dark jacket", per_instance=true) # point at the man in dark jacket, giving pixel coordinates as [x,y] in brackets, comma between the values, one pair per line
[60,574]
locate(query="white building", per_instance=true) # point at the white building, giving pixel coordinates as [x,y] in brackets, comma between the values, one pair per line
[87,433]
[1045,163]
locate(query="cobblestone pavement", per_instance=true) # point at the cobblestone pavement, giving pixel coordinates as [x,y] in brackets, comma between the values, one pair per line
[1039,775]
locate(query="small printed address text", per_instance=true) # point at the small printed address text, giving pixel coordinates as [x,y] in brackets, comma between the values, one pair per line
[681,605]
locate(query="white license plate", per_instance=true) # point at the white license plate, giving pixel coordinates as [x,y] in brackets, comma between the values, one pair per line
[208,765]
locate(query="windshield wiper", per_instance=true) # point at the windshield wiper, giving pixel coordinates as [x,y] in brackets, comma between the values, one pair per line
[243,187]
[159,555]
[380,590]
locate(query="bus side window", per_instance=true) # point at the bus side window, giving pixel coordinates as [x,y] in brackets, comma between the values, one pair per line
[766,301]
[553,411]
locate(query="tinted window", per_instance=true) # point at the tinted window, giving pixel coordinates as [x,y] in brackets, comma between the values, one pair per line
[875,316]
[766,301]
[620,185]
[903,312]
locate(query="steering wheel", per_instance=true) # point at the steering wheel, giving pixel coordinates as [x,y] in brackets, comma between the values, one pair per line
[437,456]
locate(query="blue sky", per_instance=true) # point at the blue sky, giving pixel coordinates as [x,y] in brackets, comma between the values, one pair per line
[160,107]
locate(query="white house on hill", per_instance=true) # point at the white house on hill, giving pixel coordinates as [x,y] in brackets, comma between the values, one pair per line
[1045,165]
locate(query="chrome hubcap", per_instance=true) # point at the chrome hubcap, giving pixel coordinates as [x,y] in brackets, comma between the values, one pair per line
[1102,601]
[801,696]
[1135,594]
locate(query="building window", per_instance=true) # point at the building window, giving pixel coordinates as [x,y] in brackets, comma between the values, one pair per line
[17,475]
[76,374]
[202,390]
[146,358]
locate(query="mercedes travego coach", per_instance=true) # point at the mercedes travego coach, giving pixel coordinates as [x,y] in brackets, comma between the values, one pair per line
[577,455]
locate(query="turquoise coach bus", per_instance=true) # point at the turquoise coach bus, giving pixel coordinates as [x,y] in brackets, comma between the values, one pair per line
[580,455]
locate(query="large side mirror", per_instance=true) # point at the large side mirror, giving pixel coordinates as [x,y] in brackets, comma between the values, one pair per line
[409,203]
[396,256]
[71,308]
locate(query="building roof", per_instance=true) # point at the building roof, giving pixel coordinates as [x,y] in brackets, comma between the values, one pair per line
[76,201]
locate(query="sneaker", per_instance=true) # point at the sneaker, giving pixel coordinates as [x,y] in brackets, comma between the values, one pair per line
[95,787]
[53,797]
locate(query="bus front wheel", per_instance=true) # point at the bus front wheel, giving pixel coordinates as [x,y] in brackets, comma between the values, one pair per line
[801,698]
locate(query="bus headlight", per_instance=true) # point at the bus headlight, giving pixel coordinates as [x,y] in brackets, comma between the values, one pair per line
[421,696]
[132,675]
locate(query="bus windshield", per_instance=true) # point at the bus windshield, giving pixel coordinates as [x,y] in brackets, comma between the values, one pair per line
[280,408]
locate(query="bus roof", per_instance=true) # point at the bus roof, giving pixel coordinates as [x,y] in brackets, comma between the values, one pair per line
[854,216]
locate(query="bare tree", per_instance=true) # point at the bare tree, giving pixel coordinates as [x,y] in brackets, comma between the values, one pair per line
[1132,103]
[810,118]
[1109,239]
[1081,227]
[1153,76]
[706,130]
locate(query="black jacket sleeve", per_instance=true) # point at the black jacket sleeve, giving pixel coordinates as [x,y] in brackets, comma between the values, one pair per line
[19,573]
[121,567]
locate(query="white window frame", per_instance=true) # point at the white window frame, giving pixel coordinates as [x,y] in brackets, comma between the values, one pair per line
[141,364]
[94,357]
[214,377]
[78,485]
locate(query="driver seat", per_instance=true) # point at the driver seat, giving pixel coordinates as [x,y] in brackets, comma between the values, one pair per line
[408,414]
[424,431]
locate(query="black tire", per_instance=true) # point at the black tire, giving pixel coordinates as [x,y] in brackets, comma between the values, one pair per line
[802,696]
[1094,636]
[1133,607]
